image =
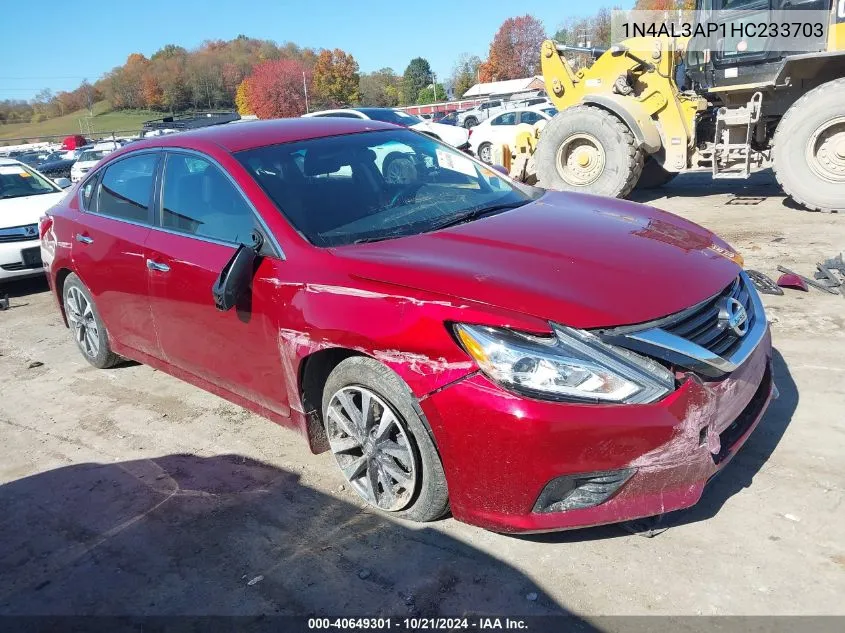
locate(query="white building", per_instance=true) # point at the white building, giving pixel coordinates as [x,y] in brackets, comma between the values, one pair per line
[504,89]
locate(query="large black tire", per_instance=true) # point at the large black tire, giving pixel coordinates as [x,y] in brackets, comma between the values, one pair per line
[470,121]
[430,499]
[91,338]
[653,175]
[623,160]
[813,180]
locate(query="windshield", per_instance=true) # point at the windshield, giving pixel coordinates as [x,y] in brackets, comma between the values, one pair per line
[550,111]
[376,185]
[18,181]
[92,155]
[391,116]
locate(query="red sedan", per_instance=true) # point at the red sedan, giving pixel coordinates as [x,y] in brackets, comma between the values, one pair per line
[530,360]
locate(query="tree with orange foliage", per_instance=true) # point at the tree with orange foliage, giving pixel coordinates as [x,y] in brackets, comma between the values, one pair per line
[515,50]
[150,88]
[335,79]
[276,90]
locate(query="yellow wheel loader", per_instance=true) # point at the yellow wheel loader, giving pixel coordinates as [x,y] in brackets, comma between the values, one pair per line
[624,122]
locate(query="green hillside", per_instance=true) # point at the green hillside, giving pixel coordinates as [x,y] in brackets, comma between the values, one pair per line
[104,120]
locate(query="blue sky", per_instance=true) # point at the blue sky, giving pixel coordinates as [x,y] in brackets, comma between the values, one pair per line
[46,48]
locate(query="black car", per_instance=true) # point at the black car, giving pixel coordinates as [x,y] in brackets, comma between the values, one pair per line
[56,165]
[32,158]
[450,118]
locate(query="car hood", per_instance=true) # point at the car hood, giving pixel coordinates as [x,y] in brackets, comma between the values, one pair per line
[576,259]
[455,136]
[26,210]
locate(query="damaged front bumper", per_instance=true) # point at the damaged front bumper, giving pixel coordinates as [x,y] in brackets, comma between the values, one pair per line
[506,456]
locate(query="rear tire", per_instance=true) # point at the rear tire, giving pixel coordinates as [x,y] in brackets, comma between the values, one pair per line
[809,149]
[87,326]
[403,455]
[587,149]
[653,175]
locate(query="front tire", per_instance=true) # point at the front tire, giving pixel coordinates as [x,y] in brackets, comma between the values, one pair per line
[470,121]
[380,442]
[587,149]
[809,149]
[88,329]
[485,153]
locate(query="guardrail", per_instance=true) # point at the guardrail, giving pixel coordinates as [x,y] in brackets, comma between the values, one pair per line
[443,106]
[40,140]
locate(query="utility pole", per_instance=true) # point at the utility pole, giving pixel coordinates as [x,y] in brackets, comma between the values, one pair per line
[305,88]
[434,83]
[88,97]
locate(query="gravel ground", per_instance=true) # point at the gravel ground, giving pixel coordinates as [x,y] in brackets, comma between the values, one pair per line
[129,492]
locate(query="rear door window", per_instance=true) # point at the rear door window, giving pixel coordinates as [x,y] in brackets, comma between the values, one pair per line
[126,188]
[529,117]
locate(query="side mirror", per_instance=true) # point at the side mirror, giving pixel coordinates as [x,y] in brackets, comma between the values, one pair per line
[501,169]
[62,183]
[236,276]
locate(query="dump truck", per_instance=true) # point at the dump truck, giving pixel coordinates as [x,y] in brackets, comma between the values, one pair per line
[649,108]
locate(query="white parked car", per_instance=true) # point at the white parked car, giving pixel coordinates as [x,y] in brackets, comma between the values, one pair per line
[487,110]
[481,112]
[89,158]
[455,136]
[25,195]
[501,129]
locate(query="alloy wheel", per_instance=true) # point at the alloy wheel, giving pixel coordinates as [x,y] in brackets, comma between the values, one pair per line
[80,313]
[372,448]
[485,153]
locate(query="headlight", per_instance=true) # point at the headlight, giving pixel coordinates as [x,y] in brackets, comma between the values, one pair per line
[571,365]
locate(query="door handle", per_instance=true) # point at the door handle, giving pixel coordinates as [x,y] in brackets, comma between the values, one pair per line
[84,239]
[153,265]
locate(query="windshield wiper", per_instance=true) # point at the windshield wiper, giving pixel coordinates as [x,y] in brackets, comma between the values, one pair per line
[475,214]
[460,218]
[378,238]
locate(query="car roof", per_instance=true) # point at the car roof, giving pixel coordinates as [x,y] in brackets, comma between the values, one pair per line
[318,113]
[9,161]
[252,134]
[372,110]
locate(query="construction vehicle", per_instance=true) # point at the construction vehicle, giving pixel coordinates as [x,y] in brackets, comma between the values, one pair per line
[624,122]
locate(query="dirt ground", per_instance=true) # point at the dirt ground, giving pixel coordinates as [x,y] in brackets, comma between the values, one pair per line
[129,492]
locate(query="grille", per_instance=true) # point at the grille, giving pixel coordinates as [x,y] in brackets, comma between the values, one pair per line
[19,233]
[701,325]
